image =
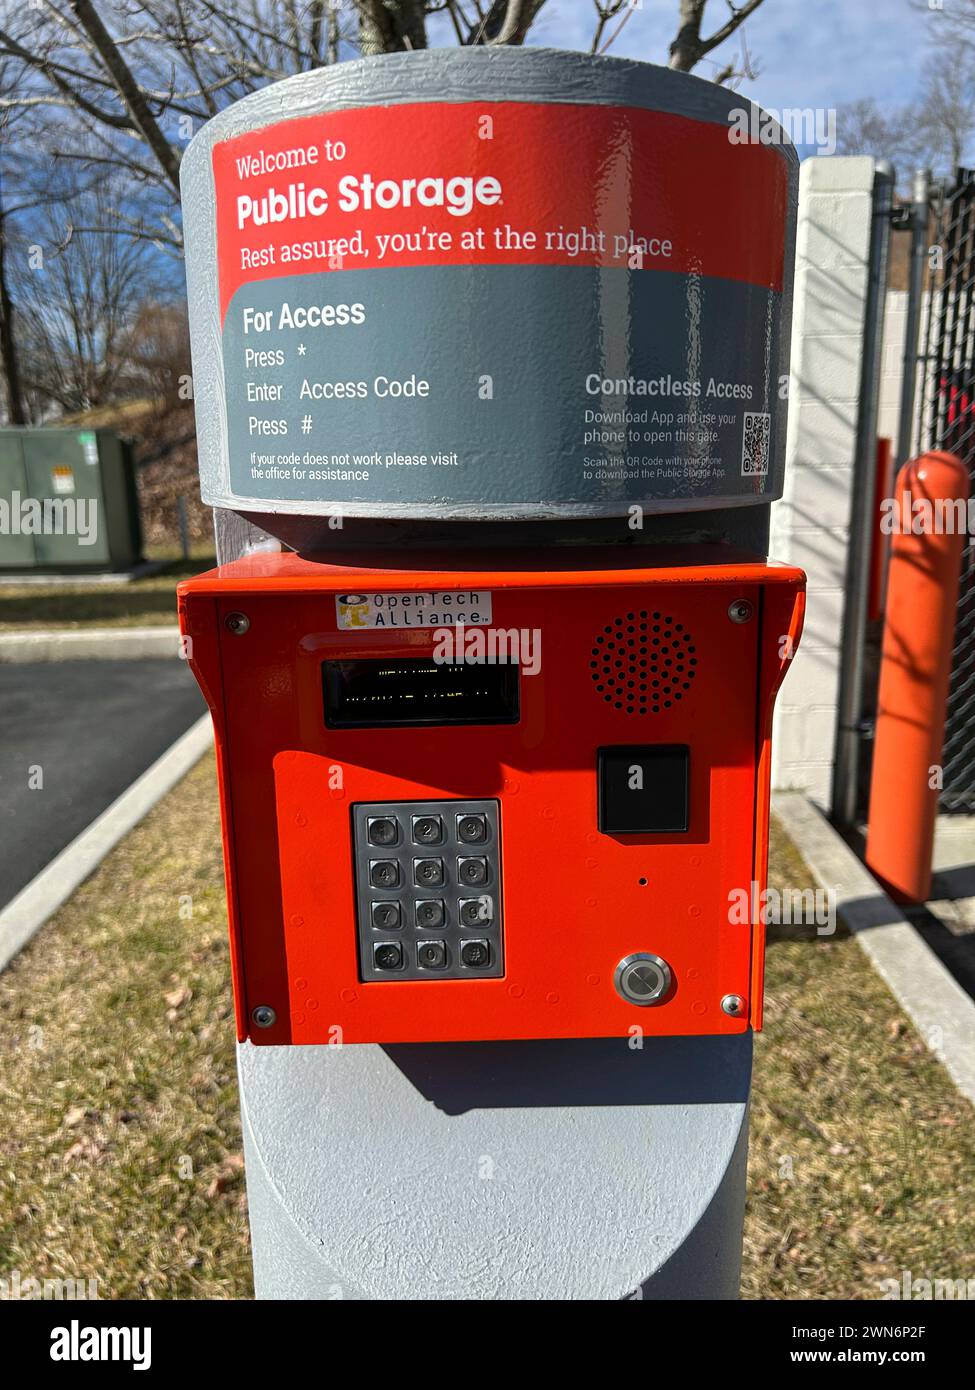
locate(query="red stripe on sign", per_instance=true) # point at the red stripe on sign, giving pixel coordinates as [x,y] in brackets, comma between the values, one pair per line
[505,183]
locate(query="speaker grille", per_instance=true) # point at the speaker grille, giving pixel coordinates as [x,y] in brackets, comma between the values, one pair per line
[643,662]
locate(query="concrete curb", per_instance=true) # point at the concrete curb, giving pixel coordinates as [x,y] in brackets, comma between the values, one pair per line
[34,905]
[90,644]
[59,579]
[940,1009]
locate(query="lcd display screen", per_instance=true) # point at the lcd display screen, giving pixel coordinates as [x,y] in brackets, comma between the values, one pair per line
[377,693]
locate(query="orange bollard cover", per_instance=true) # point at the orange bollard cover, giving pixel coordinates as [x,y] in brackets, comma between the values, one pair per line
[928,518]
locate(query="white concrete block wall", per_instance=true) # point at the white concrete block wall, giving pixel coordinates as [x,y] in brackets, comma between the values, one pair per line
[810,525]
[891,364]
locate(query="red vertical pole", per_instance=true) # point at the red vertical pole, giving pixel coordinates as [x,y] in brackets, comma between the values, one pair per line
[922,595]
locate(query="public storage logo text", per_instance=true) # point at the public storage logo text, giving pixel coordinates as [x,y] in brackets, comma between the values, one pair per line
[356,611]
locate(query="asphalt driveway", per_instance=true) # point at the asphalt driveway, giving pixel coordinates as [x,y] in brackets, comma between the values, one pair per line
[73,736]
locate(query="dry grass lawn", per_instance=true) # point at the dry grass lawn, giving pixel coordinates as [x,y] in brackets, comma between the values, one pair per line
[119,1131]
[149,602]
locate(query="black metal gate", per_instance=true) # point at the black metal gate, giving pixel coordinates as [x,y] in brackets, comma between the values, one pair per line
[948,422]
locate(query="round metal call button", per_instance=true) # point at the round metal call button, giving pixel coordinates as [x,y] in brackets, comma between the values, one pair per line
[642,978]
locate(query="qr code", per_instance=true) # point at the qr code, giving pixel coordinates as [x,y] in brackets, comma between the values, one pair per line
[755,443]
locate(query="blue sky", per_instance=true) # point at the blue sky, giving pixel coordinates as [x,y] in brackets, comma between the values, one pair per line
[809,52]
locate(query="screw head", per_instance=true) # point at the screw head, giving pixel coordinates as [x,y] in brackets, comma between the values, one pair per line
[741,610]
[237,623]
[264,1016]
[733,1004]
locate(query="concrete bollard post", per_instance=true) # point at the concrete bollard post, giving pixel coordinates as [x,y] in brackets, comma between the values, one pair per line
[527,1170]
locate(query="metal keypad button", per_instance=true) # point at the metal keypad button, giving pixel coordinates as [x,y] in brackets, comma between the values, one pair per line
[429,912]
[427,873]
[432,955]
[388,955]
[476,911]
[475,954]
[472,871]
[384,873]
[472,829]
[386,916]
[427,830]
[383,830]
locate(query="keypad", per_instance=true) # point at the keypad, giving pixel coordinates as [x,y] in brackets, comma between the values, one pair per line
[428,890]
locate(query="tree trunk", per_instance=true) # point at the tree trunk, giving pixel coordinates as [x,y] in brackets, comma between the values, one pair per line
[129,90]
[687,48]
[391,26]
[9,366]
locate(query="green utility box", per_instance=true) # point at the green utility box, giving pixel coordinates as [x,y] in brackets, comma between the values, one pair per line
[68,501]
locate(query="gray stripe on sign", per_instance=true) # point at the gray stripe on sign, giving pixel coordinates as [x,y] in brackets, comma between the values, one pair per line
[545,432]
[546,76]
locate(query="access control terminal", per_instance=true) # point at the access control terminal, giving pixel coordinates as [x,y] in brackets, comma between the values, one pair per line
[493,798]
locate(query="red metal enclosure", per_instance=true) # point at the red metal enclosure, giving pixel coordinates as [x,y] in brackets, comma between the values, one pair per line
[574,900]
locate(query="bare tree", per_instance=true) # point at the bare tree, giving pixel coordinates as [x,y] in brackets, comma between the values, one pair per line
[21,191]
[78,296]
[155,349]
[690,45]
[943,120]
[9,358]
[933,131]
[114,89]
[938,127]
[133,82]
[863,127]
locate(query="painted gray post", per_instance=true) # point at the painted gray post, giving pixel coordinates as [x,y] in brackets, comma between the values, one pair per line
[581,1169]
[558,1169]
[524,1170]
[920,213]
[846,768]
